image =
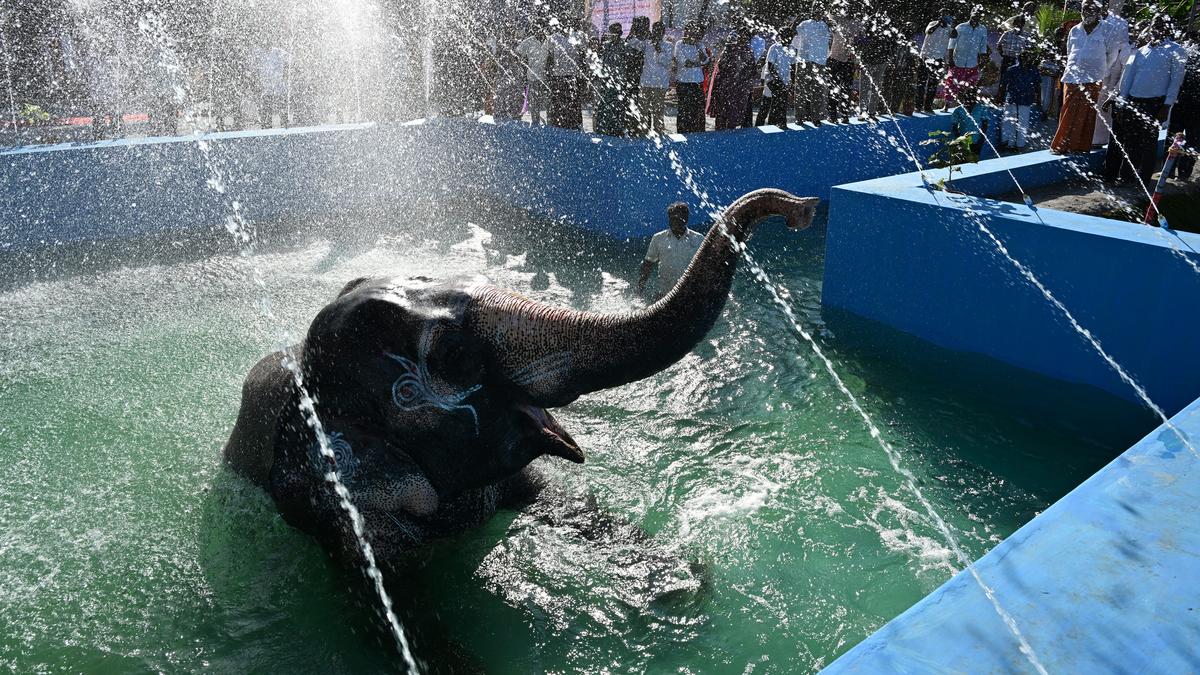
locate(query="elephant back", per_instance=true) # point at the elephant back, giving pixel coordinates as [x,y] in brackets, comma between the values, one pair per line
[266,394]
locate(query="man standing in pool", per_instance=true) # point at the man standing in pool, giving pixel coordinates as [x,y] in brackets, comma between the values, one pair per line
[672,250]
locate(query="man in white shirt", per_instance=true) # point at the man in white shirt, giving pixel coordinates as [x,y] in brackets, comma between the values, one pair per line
[841,67]
[811,46]
[533,51]
[968,42]
[1118,33]
[777,81]
[658,57]
[671,250]
[1149,87]
[565,54]
[1090,51]
[1011,44]
[933,59]
[691,56]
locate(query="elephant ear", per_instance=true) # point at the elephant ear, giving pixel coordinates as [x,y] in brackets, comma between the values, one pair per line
[409,491]
[390,491]
[379,475]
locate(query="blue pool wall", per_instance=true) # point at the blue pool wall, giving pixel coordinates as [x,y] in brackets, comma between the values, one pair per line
[917,260]
[127,188]
[1103,581]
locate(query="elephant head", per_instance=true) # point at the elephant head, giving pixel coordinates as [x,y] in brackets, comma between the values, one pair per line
[453,380]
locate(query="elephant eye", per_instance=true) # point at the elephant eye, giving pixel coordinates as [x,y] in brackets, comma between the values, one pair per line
[406,393]
[412,390]
[457,360]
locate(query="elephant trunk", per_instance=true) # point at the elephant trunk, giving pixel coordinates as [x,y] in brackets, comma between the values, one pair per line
[553,354]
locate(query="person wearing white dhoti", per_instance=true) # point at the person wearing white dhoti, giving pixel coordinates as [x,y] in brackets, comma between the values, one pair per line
[1118,29]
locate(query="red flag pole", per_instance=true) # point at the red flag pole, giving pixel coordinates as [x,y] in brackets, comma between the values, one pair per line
[1152,214]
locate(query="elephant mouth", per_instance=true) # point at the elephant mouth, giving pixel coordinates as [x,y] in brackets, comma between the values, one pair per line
[547,435]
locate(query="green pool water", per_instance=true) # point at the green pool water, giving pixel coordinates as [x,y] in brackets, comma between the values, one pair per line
[124,547]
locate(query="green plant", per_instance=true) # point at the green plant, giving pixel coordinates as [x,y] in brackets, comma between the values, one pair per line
[33,114]
[1181,12]
[950,151]
[1050,17]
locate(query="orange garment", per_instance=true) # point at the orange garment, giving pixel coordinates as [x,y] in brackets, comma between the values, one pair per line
[1077,121]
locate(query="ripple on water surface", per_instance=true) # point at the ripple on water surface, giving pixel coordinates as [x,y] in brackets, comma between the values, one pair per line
[749,522]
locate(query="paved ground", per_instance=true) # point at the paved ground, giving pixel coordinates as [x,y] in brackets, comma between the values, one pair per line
[1180,202]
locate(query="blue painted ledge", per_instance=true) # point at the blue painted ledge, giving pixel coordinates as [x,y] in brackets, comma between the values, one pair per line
[918,260]
[1107,580]
[128,188]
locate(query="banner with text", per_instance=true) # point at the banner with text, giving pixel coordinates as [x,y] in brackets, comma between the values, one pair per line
[608,12]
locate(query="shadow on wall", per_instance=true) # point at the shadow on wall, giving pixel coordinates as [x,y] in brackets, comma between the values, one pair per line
[901,366]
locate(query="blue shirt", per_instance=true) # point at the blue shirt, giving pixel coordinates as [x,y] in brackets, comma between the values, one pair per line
[758,45]
[1155,70]
[1023,82]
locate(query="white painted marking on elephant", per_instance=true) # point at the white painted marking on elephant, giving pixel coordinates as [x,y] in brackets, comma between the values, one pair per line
[544,368]
[410,531]
[343,455]
[414,389]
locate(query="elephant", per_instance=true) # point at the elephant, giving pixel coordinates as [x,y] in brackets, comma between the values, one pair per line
[435,396]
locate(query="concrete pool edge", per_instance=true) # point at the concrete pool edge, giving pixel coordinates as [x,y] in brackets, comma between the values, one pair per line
[917,260]
[1098,581]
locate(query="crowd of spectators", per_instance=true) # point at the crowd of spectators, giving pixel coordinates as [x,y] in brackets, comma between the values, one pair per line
[812,69]
[1093,75]
[817,68]
[1133,80]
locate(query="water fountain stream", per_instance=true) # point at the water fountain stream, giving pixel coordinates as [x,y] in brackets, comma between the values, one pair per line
[12,101]
[151,26]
